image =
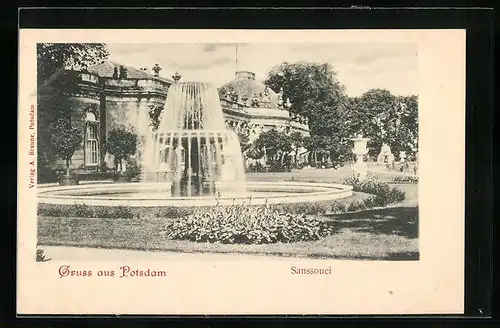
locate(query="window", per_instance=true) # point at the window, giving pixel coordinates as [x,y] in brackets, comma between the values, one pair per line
[92,141]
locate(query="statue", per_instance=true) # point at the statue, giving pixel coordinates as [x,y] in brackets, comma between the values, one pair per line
[255,100]
[244,100]
[122,73]
[156,69]
[385,156]
[279,102]
[176,77]
[266,98]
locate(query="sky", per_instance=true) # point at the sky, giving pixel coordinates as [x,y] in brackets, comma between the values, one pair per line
[359,66]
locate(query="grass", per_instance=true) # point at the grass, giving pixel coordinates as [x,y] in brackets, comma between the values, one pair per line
[384,234]
[316,175]
[380,234]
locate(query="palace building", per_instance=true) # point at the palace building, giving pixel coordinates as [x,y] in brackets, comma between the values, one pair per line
[113,95]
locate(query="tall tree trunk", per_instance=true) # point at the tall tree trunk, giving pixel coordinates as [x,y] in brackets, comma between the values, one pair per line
[67,167]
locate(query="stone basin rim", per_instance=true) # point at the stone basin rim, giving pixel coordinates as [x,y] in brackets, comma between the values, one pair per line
[319,192]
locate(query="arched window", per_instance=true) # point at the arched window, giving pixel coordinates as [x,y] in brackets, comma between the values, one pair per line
[91,140]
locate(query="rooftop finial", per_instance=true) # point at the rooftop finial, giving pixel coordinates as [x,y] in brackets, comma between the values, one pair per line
[157,69]
[176,76]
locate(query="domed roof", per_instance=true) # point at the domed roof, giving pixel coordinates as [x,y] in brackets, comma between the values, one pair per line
[246,88]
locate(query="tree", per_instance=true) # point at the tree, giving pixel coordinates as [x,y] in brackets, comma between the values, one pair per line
[372,115]
[65,138]
[384,118]
[314,92]
[121,144]
[409,121]
[322,148]
[244,140]
[54,58]
[276,146]
[254,152]
[297,140]
[57,64]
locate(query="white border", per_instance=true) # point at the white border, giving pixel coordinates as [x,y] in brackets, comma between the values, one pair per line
[433,285]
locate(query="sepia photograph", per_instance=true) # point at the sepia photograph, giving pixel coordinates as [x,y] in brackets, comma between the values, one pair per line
[241,172]
[240,149]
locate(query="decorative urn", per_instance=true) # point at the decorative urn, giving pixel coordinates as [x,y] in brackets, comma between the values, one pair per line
[360,150]
[176,77]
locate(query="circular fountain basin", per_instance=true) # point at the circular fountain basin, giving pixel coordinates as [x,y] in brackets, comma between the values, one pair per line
[158,194]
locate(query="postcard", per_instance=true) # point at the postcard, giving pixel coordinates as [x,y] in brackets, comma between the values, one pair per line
[241,172]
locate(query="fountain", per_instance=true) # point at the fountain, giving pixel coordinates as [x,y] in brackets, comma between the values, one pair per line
[192,149]
[191,160]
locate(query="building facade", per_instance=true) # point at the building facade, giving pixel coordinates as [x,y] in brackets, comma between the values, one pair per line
[113,95]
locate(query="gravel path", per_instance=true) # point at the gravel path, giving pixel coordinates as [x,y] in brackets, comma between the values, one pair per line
[64,253]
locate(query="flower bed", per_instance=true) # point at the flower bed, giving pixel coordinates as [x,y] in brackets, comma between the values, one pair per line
[246,225]
[384,193]
[277,223]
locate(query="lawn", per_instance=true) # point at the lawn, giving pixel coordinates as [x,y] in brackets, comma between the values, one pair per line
[385,234]
[380,234]
[318,175]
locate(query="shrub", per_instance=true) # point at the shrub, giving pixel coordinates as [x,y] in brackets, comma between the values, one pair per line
[40,255]
[256,167]
[121,144]
[406,179]
[300,165]
[276,166]
[246,225]
[82,210]
[90,211]
[134,170]
[384,194]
